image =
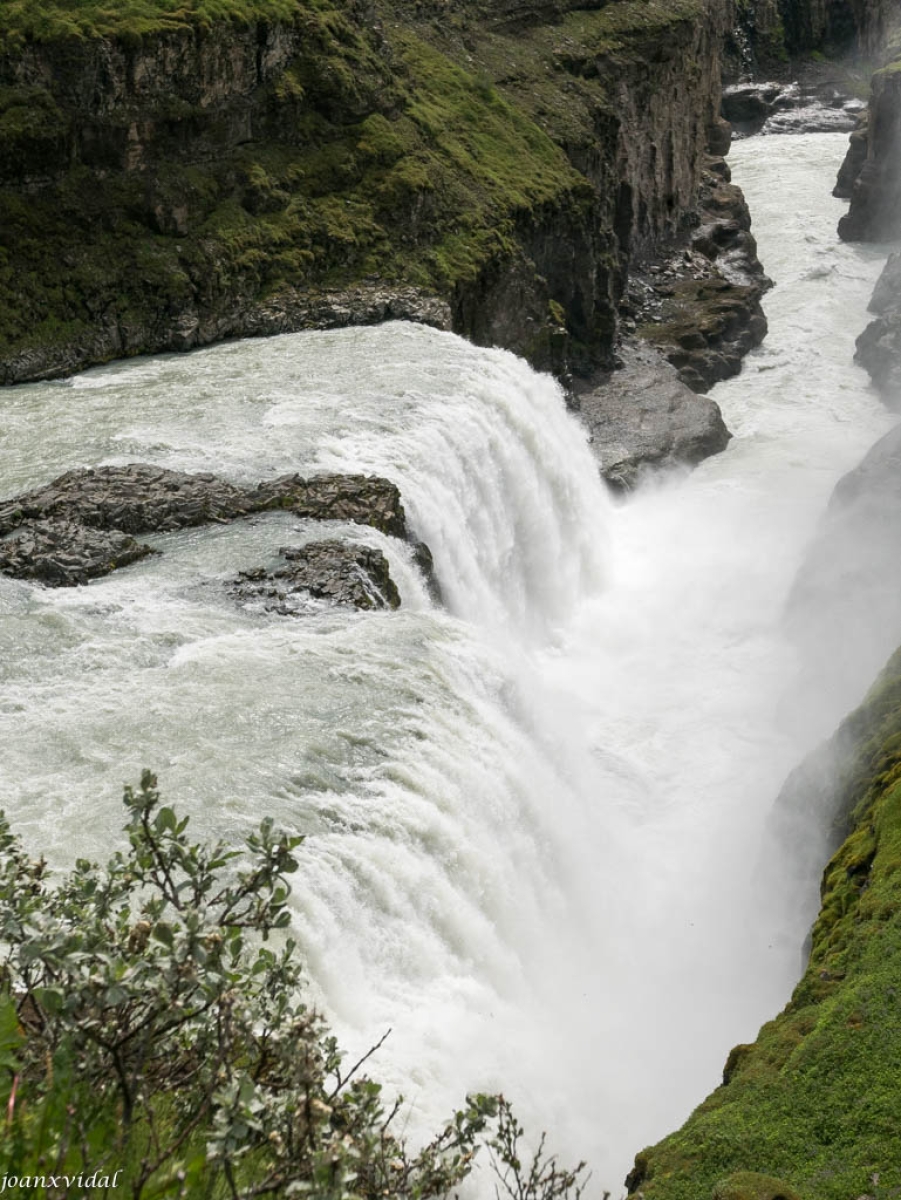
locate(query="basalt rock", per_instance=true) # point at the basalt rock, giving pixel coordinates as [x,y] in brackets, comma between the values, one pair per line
[134,499]
[855,157]
[879,346]
[643,416]
[703,310]
[497,173]
[85,520]
[332,571]
[139,498]
[875,211]
[364,499]
[62,553]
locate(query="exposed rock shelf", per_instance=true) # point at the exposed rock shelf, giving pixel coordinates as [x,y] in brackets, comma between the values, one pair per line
[83,525]
[643,417]
[331,571]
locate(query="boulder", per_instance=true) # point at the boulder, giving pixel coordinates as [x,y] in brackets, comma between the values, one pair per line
[334,571]
[363,499]
[145,499]
[644,416]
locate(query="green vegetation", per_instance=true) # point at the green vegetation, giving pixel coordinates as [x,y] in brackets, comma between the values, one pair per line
[378,160]
[47,20]
[811,1109]
[151,1032]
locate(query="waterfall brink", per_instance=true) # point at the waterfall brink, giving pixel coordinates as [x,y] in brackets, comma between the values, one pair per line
[533,813]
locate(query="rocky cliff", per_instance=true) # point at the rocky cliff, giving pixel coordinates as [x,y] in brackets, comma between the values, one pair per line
[809,1111]
[874,214]
[491,168]
[769,34]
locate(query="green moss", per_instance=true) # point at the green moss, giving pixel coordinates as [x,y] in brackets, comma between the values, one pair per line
[814,1102]
[50,20]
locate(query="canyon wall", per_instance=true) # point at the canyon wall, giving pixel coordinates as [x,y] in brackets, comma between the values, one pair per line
[489,168]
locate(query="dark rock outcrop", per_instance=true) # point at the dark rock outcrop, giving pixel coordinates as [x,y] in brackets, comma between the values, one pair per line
[879,346]
[138,498]
[643,416]
[82,524]
[789,108]
[855,157]
[875,211]
[702,308]
[62,553]
[333,571]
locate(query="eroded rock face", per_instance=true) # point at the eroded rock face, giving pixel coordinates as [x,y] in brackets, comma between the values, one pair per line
[644,416]
[81,525]
[337,572]
[843,611]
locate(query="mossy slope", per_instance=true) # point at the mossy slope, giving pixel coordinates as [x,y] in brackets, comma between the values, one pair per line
[812,1108]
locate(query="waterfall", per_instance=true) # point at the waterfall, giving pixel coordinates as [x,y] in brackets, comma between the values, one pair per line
[533,813]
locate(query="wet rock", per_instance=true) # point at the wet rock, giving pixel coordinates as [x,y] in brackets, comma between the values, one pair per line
[855,157]
[135,499]
[879,346]
[643,416]
[334,571]
[844,609]
[145,499]
[139,498]
[875,210]
[62,553]
[879,353]
[747,105]
[363,499]
[788,108]
[703,311]
[887,292]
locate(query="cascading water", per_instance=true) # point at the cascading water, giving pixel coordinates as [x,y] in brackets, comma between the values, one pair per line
[532,815]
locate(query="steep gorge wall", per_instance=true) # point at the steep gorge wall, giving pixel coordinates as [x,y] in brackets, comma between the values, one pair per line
[770,34]
[490,168]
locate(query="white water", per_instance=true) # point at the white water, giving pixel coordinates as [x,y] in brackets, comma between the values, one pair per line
[533,817]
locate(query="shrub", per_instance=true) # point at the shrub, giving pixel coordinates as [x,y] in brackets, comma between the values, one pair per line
[151,1024]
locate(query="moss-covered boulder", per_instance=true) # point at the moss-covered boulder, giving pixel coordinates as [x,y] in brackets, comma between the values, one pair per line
[748,1185]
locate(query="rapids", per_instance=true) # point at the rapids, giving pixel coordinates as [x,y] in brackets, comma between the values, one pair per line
[534,815]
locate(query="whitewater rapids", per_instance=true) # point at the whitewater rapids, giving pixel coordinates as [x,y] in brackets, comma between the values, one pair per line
[533,815]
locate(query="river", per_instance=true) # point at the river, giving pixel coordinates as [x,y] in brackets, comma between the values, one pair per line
[535,815]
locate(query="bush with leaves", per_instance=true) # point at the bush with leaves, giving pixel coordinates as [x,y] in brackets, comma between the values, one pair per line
[148,1026]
